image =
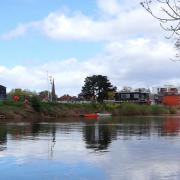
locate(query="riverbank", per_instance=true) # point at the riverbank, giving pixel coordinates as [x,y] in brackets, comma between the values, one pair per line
[36,110]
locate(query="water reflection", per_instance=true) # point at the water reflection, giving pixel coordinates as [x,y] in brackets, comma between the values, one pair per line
[3,137]
[97,135]
[90,148]
[171,126]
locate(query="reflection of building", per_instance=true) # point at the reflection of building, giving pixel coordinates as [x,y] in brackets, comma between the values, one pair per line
[171,126]
[2,92]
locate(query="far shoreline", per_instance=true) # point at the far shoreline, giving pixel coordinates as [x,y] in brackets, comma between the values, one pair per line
[19,111]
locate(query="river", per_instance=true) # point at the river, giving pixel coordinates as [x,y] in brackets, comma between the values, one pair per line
[133,148]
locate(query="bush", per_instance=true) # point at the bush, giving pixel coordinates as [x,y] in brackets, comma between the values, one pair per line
[145,109]
[130,109]
[157,109]
[12,103]
[140,109]
[36,104]
[172,110]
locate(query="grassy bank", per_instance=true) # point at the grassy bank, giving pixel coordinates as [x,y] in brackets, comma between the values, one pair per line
[37,109]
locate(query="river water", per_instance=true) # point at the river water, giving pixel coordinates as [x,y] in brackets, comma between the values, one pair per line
[104,149]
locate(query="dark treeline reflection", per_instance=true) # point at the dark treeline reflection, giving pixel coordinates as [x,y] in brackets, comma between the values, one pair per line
[97,134]
[3,136]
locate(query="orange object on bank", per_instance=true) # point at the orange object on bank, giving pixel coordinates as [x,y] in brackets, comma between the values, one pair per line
[16,98]
[171,100]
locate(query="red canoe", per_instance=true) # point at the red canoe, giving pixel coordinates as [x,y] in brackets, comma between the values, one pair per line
[91,115]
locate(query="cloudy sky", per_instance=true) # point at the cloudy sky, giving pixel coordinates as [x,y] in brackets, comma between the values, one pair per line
[75,39]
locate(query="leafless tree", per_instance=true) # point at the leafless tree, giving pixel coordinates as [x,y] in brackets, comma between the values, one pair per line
[168,15]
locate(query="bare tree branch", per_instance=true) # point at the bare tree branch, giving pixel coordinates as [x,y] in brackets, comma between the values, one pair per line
[169,18]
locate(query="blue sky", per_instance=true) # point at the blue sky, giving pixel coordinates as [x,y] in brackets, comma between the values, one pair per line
[75,39]
[35,48]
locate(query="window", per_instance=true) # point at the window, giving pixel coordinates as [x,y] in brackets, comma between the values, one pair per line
[143,96]
[125,96]
[136,96]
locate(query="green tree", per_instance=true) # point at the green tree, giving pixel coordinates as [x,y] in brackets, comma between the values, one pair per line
[21,93]
[111,95]
[97,87]
[44,94]
[35,102]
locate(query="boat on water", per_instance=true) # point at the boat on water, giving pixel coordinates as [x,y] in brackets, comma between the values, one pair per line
[97,115]
[90,115]
[104,114]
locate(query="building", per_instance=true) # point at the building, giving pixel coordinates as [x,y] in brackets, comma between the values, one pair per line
[168,96]
[171,100]
[142,97]
[2,93]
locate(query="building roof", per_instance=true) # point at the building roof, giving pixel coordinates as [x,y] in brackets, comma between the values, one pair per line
[133,92]
[67,98]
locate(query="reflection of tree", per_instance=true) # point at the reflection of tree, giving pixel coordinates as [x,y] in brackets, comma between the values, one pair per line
[35,128]
[19,131]
[3,136]
[97,136]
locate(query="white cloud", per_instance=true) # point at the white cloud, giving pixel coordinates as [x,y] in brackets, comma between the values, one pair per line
[111,7]
[20,30]
[137,63]
[128,22]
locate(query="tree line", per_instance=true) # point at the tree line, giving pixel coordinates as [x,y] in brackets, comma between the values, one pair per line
[95,88]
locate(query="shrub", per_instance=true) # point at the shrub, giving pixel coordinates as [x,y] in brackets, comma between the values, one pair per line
[130,109]
[172,110]
[36,104]
[157,109]
[145,109]
[12,103]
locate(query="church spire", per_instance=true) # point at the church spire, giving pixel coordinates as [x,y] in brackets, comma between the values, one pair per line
[53,92]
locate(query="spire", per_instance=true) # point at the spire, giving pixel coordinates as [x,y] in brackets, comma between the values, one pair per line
[53,92]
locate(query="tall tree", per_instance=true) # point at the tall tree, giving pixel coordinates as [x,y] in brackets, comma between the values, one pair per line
[97,87]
